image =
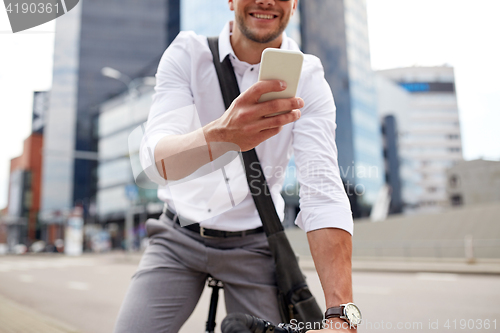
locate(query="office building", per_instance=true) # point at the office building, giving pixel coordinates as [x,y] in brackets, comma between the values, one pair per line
[429,127]
[336,31]
[129,36]
[117,192]
[473,182]
[394,107]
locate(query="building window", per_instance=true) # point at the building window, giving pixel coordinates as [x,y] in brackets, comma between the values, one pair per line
[453,181]
[456,200]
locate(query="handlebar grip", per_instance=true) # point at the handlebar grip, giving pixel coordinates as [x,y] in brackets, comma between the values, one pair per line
[234,327]
[240,323]
[244,323]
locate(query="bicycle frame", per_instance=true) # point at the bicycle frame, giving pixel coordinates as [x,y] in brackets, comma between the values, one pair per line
[216,285]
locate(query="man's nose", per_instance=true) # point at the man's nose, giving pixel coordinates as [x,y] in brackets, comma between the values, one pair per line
[265,2]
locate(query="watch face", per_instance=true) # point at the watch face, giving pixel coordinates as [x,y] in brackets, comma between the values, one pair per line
[352,313]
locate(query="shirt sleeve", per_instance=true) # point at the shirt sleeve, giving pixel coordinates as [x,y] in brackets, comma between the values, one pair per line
[172,111]
[323,200]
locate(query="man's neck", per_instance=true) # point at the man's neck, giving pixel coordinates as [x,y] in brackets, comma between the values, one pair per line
[249,51]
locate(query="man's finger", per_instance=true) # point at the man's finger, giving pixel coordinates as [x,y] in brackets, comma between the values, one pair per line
[279,105]
[260,88]
[279,120]
[268,133]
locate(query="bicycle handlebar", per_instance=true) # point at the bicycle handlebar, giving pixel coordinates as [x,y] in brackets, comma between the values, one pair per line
[244,323]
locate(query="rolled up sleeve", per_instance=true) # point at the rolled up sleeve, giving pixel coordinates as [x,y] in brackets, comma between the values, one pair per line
[323,200]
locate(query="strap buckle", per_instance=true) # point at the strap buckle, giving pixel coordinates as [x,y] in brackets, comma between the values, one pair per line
[202,233]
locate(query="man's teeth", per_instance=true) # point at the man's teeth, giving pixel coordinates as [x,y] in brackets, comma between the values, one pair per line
[262,16]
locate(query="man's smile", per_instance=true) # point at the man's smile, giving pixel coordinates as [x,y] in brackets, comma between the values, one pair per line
[263,16]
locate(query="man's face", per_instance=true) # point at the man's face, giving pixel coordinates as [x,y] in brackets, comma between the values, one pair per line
[262,21]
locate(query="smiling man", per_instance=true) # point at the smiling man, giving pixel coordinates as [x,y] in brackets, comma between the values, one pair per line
[174,267]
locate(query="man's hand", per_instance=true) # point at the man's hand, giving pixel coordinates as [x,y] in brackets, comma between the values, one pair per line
[336,325]
[245,123]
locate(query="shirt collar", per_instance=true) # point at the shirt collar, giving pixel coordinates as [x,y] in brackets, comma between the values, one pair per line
[225,47]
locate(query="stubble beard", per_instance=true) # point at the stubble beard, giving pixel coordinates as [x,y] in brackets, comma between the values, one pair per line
[248,33]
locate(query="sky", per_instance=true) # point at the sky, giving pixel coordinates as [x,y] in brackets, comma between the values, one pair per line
[460,33]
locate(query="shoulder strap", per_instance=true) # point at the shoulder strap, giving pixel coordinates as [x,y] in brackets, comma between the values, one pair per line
[255,176]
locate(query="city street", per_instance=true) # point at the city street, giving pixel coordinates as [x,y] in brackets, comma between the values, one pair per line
[85,293]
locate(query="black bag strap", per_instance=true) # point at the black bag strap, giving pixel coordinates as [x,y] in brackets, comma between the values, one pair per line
[255,176]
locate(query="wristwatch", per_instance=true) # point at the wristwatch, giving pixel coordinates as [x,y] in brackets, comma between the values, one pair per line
[349,312]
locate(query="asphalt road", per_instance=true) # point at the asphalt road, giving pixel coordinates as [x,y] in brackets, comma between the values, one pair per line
[86,292]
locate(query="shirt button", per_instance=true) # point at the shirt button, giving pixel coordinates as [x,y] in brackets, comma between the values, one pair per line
[251,69]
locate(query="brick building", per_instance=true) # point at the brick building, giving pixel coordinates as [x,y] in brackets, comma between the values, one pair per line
[24,190]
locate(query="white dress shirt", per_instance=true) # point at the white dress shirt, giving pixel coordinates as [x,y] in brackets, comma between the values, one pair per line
[187,97]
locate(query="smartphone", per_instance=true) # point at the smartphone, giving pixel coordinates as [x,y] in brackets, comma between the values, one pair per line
[277,64]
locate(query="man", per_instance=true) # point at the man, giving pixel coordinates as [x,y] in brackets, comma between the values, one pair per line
[172,272]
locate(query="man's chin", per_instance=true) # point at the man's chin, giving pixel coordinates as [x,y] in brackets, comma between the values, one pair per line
[262,38]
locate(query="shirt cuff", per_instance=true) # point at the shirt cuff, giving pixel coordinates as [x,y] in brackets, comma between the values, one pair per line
[315,218]
[148,164]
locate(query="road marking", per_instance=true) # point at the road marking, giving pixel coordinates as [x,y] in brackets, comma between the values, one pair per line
[436,276]
[26,278]
[371,290]
[78,285]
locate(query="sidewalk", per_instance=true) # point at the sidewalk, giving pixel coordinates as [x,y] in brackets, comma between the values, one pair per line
[15,318]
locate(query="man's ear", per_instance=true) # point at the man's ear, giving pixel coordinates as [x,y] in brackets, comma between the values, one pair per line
[231,5]
[294,8]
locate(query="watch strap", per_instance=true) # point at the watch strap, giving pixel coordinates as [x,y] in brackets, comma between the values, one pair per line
[334,312]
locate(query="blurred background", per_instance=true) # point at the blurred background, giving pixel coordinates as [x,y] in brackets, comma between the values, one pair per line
[418,107]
